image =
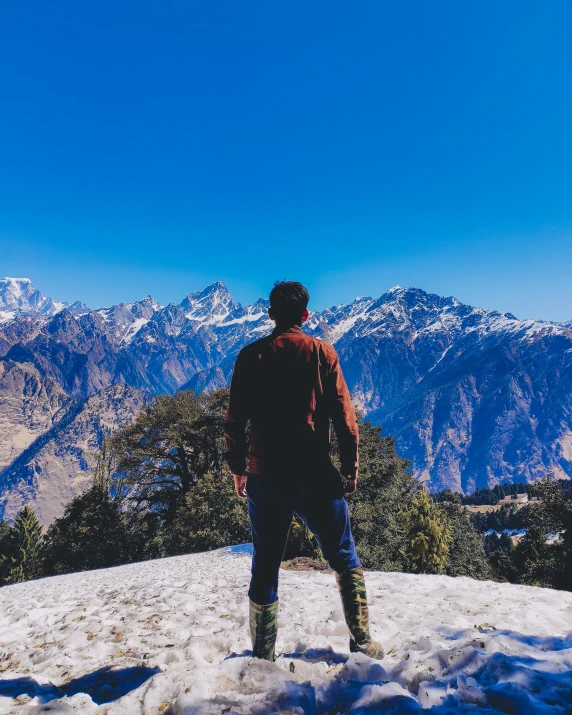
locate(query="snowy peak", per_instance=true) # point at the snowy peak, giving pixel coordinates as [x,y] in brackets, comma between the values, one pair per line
[144,308]
[336,321]
[19,296]
[125,320]
[254,313]
[78,308]
[211,305]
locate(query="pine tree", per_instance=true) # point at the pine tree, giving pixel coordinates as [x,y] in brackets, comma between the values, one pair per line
[146,535]
[5,541]
[23,542]
[210,518]
[427,535]
[467,556]
[533,558]
[499,552]
[91,534]
[385,486]
[540,563]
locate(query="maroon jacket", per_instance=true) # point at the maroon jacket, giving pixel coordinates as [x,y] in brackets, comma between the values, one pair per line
[289,385]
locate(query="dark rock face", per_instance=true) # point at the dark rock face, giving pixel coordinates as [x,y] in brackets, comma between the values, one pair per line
[473,396]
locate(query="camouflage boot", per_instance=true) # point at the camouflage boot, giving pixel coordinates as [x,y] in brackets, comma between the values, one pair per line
[263,628]
[352,590]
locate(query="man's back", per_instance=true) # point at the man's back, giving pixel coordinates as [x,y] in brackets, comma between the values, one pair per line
[289,385]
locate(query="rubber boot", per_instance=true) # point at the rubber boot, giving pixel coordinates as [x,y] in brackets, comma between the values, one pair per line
[351,584]
[263,629]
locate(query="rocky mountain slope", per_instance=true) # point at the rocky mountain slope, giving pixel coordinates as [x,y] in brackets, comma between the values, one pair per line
[473,396]
[57,466]
[171,636]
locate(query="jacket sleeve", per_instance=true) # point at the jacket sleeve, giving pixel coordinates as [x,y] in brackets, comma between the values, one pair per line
[236,417]
[343,416]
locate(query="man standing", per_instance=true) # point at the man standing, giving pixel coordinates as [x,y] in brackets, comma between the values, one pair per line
[289,386]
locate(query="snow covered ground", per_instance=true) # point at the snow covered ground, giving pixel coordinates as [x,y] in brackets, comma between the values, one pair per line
[170,636]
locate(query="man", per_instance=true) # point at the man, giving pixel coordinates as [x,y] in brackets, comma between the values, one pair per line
[289,386]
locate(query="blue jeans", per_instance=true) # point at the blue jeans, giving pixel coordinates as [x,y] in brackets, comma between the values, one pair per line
[271,506]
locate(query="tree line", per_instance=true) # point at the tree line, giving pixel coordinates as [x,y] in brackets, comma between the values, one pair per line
[491,497]
[160,489]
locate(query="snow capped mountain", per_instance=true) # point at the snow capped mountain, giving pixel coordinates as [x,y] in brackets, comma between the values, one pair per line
[335,322]
[211,305]
[473,397]
[18,296]
[171,636]
[127,319]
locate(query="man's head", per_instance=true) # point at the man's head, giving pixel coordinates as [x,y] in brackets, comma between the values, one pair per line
[289,303]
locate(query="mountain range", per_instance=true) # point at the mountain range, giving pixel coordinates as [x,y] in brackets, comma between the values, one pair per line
[473,397]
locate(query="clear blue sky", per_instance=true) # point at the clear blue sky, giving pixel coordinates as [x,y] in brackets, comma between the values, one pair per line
[152,147]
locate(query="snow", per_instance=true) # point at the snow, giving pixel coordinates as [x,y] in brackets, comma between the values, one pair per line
[172,636]
[135,328]
[248,318]
[147,301]
[7,315]
[343,326]
[20,296]
[508,532]
[17,285]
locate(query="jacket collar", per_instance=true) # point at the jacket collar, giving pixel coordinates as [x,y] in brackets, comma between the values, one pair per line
[286,331]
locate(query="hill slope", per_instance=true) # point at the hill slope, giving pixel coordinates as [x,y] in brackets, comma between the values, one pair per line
[171,636]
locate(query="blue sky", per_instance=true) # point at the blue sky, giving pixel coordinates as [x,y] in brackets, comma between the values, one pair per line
[156,147]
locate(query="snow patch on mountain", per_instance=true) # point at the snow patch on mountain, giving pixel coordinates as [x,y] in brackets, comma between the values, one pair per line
[172,636]
[135,328]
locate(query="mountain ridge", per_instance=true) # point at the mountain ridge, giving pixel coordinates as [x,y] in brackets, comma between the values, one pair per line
[473,396]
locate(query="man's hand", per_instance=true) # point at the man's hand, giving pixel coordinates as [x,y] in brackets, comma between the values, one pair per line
[350,483]
[240,485]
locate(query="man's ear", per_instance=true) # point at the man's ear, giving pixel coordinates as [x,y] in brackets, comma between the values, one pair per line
[305,315]
[270,315]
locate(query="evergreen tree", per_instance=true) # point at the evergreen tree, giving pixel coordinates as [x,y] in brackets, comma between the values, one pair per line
[210,518]
[467,556]
[91,534]
[20,562]
[5,541]
[385,486]
[533,558]
[551,514]
[159,459]
[499,552]
[147,538]
[427,535]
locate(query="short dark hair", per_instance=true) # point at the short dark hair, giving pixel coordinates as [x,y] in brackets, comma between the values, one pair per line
[288,301]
